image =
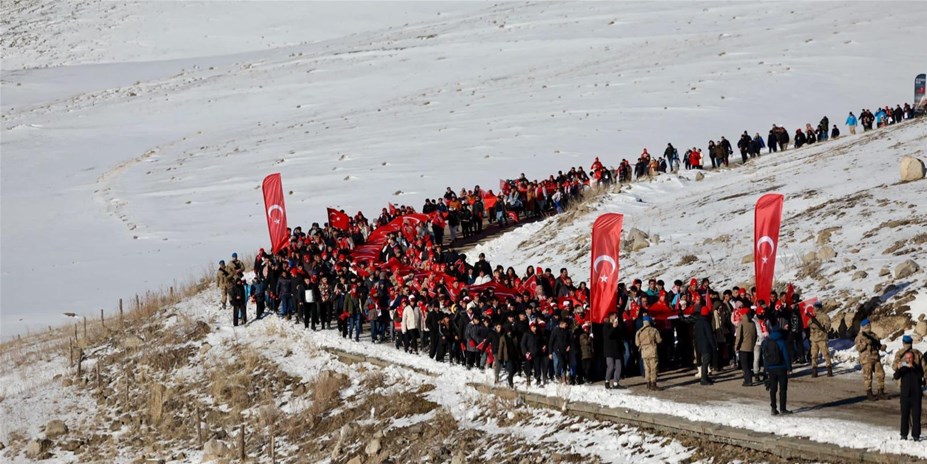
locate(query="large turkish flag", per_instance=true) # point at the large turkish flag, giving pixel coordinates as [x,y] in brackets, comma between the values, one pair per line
[603,281]
[275,208]
[766,242]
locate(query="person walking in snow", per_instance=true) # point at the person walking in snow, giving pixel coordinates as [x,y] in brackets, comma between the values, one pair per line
[868,346]
[851,123]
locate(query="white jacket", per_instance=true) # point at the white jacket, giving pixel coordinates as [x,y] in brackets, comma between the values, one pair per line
[411,318]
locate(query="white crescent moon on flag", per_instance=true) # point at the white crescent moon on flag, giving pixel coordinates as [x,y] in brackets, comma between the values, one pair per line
[607,259]
[772,247]
[272,208]
[765,239]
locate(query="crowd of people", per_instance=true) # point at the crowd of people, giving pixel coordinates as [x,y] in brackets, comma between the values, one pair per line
[719,152]
[402,283]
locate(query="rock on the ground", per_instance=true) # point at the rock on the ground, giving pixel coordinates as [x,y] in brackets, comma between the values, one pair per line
[921,328]
[809,257]
[373,447]
[860,275]
[205,348]
[38,448]
[459,458]
[826,253]
[906,268]
[636,240]
[699,176]
[747,259]
[884,272]
[132,341]
[355,460]
[55,428]
[911,168]
[214,449]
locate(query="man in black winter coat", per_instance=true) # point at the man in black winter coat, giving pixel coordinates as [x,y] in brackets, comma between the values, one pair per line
[559,348]
[911,375]
[238,302]
[704,343]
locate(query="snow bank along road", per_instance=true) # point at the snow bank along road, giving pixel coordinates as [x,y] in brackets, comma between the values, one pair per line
[135,135]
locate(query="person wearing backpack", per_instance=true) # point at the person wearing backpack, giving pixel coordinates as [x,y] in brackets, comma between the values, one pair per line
[778,368]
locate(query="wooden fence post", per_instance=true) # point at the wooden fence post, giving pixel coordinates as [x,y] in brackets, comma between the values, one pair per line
[121,320]
[241,442]
[199,429]
[102,320]
[273,453]
[138,302]
[85,328]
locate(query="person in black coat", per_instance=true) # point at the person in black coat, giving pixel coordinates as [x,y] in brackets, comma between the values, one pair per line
[704,343]
[911,375]
[613,349]
[533,349]
[238,302]
[559,348]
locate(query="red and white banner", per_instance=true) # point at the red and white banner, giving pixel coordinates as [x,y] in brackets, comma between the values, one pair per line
[338,220]
[275,209]
[603,280]
[768,218]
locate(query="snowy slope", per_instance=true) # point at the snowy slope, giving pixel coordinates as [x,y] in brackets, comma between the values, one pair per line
[848,187]
[139,161]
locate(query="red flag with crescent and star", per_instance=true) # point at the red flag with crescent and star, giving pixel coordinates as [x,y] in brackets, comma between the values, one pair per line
[275,209]
[606,238]
[338,220]
[768,218]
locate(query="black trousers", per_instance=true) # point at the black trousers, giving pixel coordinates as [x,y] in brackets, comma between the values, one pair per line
[746,365]
[778,382]
[238,313]
[314,315]
[706,361]
[911,414]
[410,340]
[259,302]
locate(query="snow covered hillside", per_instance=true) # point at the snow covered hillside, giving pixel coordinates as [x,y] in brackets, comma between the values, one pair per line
[135,135]
[848,223]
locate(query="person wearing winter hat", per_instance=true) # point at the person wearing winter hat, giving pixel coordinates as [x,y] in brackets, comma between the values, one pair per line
[705,343]
[224,282]
[647,339]
[910,374]
[236,267]
[868,346]
[907,344]
[819,326]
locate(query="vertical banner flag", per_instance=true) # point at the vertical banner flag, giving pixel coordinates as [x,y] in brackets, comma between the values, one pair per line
[338,220]
[768,218]
[276,212]
[920,89]
[606,238]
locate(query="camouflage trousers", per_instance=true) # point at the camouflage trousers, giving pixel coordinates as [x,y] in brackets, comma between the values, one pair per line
[868,369]
[650,369]
[819,347]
